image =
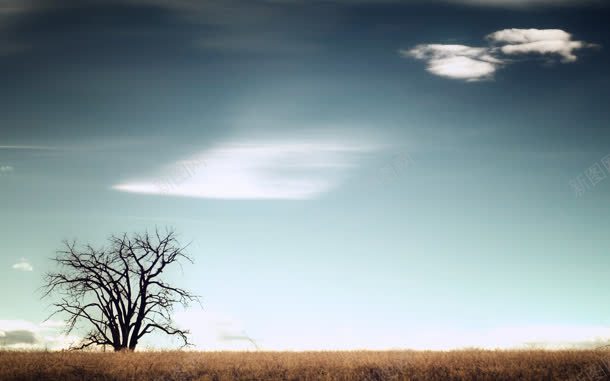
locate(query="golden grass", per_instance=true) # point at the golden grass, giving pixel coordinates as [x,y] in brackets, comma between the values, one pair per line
[467,365]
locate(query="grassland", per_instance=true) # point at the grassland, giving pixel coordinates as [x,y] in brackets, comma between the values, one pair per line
[467,365]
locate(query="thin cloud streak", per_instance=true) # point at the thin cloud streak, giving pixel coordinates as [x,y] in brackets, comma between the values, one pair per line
[288,170]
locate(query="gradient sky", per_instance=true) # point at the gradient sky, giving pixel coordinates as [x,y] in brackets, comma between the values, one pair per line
[352,174]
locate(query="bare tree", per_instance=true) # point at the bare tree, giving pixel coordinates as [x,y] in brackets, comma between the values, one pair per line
[118,291]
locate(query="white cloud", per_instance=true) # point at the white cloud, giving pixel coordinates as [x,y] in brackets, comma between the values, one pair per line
[473,64]
[253,170]
[23,265]
[21,334]
[538,41]
[456,61]
[515,35]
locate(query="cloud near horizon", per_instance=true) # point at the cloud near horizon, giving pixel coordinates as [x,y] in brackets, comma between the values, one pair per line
[219,331]
[21,334]
[480,63]
[280,170]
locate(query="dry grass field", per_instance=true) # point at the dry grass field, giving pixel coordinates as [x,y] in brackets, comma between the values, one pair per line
[467,365]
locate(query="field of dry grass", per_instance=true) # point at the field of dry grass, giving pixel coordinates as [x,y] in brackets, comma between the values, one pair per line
[464,365]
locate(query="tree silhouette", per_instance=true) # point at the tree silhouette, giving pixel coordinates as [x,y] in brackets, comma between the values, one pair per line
[118,291]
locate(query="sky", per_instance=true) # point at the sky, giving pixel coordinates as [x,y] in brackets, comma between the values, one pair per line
[351,174]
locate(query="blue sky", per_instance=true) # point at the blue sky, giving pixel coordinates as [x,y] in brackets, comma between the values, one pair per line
[351,174]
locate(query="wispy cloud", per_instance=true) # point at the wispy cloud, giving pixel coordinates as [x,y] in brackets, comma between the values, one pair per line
[23,265]
[255,170]
[479,63]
